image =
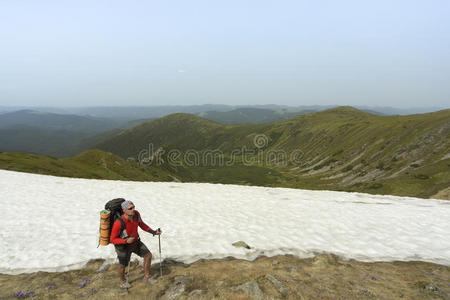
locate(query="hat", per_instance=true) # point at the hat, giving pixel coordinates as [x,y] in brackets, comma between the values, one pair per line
[125,204]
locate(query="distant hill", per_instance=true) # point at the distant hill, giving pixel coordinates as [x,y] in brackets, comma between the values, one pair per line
[35,140]
[250,115]
[341,149]
[183,130]
[133,123]
[52,121]
[58,121]
[54,134]
[81,144]
[129,113]
[391,111]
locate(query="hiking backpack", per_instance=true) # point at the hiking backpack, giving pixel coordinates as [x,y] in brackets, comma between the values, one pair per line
[115,208]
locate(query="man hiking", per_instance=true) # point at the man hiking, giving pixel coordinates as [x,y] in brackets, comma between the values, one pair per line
[127,241]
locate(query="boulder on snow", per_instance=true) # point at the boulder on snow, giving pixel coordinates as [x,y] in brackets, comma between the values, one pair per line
[241,244]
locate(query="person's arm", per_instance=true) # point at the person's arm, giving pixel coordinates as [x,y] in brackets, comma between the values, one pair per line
[144,226]
[114,239]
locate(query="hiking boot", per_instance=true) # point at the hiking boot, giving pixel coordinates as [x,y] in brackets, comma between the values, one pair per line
[150,280]
[125,285]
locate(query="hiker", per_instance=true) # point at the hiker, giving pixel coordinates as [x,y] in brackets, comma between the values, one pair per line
[128,242]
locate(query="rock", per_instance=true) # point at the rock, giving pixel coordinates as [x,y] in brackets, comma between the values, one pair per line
[139,262]
[95,261]
[104,267]
[177,288]
[278,285]
[431,288]
[275,262]
[94,264]
[183,279]
[241,244]
[195,293]
[251,288]
[293,269]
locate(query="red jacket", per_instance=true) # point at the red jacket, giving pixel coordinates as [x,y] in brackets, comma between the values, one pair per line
[131,229]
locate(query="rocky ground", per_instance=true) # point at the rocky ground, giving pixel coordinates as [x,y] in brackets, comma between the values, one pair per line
[443,194]
[282,277]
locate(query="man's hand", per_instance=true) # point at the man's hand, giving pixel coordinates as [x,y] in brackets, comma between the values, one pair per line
[130,239]
[158,231]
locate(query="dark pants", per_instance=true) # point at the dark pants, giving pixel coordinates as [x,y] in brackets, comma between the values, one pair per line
[124,251]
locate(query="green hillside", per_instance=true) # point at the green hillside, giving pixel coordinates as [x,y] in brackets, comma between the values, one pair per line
[59,135]
[337,149]
[251,115]
[93,164]
[52,121]
[21,138]
[341,149]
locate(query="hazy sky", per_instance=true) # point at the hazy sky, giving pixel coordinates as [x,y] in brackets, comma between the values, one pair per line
[94,53]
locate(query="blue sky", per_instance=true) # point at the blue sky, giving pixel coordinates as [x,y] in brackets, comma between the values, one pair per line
[114,53]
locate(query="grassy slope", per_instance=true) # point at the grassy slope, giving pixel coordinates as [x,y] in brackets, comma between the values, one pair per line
[183,130]
[94,164]
[350,150]
[343,149]
[79,145]
[249,115]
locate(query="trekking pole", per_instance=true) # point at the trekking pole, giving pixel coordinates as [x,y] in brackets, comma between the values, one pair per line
[160,265]
[129,262]
[128,273]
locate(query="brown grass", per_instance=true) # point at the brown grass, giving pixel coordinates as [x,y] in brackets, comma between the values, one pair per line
[322,277]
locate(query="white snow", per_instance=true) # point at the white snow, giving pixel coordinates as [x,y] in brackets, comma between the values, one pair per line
[51,223]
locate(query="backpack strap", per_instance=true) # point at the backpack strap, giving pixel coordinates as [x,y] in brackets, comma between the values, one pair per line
[138,216]
[122,222]
[122,225]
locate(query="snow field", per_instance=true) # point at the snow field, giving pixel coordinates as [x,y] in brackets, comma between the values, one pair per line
[52,223]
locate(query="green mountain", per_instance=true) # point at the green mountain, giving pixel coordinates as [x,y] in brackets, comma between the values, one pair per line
[59,135]
[340,149]
[337,149]
[49,133]
[251,115]
[52,121]
[28,139]
[81,144]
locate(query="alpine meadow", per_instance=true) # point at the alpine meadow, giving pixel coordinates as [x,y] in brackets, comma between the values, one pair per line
[342,149]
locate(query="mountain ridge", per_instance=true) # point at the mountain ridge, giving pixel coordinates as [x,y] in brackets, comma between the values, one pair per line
[337,149]
[342,147]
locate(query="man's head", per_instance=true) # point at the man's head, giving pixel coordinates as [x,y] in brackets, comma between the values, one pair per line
[128,208]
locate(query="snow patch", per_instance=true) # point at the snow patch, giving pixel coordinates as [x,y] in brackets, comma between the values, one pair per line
[203,221]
